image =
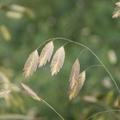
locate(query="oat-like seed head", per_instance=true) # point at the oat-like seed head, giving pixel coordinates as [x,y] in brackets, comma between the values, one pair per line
[30,92]
[31,64]
[46,54]
[74,73]
[57,61]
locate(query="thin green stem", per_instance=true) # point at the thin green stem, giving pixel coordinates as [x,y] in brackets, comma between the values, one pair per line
[81,52]
[102,64]
[92,66]
[51,108]
[82,45]
[51,39]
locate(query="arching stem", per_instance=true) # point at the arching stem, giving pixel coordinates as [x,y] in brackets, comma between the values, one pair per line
[102,64]
[93,53]
[51,108]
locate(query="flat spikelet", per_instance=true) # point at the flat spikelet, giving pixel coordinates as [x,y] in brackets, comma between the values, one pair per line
[81,79]
[46,54]
[78,85]
[31,64]
[74,73]
[57,61]
[30,92]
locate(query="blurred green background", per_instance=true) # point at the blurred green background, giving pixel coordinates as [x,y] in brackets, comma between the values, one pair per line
[87,21]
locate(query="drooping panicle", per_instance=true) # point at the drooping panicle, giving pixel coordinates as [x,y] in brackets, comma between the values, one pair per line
[31,64]
[46,54]
[57,61]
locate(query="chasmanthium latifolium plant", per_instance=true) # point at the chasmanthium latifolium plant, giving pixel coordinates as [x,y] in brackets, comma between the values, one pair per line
[37,60]
[76,79]
[57,61]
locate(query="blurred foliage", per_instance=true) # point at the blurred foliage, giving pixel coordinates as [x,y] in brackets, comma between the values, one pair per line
[86,21]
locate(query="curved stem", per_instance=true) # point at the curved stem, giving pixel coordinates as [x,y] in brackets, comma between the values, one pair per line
[82,45]
[102,64]
[92,66]
[33,95]
[51,108]
[51,39]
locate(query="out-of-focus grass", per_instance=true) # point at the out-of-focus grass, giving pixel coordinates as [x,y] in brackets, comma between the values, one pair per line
[89,22]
